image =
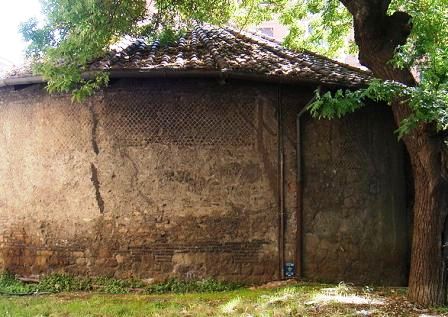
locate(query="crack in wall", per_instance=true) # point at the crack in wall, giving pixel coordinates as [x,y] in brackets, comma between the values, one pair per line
[94,128]
[96,185]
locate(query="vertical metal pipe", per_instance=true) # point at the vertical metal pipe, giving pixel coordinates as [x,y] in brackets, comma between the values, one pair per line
[299,210]
[281,184]
[299,220]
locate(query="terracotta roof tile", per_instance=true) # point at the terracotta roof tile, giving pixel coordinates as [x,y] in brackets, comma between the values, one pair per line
[208,48]
[224,49]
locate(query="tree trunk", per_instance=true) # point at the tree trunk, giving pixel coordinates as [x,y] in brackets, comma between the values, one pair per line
[377,35]
[426,277]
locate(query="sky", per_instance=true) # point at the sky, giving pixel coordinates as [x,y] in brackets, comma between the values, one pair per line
[12,13]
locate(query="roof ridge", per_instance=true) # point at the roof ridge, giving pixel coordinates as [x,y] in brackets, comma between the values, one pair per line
[277,45]
[354,68]
[274,47]
[278,49]
[257,34]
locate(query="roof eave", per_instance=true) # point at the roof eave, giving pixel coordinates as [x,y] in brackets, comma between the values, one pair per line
[167,73]
[12,81]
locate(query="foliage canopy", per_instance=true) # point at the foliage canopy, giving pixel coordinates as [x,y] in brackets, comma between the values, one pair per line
[74,33]
[426,54]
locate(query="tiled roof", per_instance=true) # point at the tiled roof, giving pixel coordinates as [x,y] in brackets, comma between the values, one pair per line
[209,49]
[217,51]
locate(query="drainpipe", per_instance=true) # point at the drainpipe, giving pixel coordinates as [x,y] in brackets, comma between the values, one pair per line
[281,184]
[299,210]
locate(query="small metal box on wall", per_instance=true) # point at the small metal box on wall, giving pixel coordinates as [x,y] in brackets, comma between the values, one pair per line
[289,270]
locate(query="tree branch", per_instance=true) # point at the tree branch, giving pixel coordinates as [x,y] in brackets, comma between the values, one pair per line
[365,8]
[378,35]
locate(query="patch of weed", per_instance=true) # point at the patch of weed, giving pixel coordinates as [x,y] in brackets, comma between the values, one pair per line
[56,283]
[189,286]
[10,285]
[111,285]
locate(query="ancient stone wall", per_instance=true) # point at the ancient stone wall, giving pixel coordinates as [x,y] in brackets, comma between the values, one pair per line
[356,222]
[161,178]
[148,179]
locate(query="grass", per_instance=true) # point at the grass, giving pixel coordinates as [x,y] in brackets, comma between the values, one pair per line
[297,299]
